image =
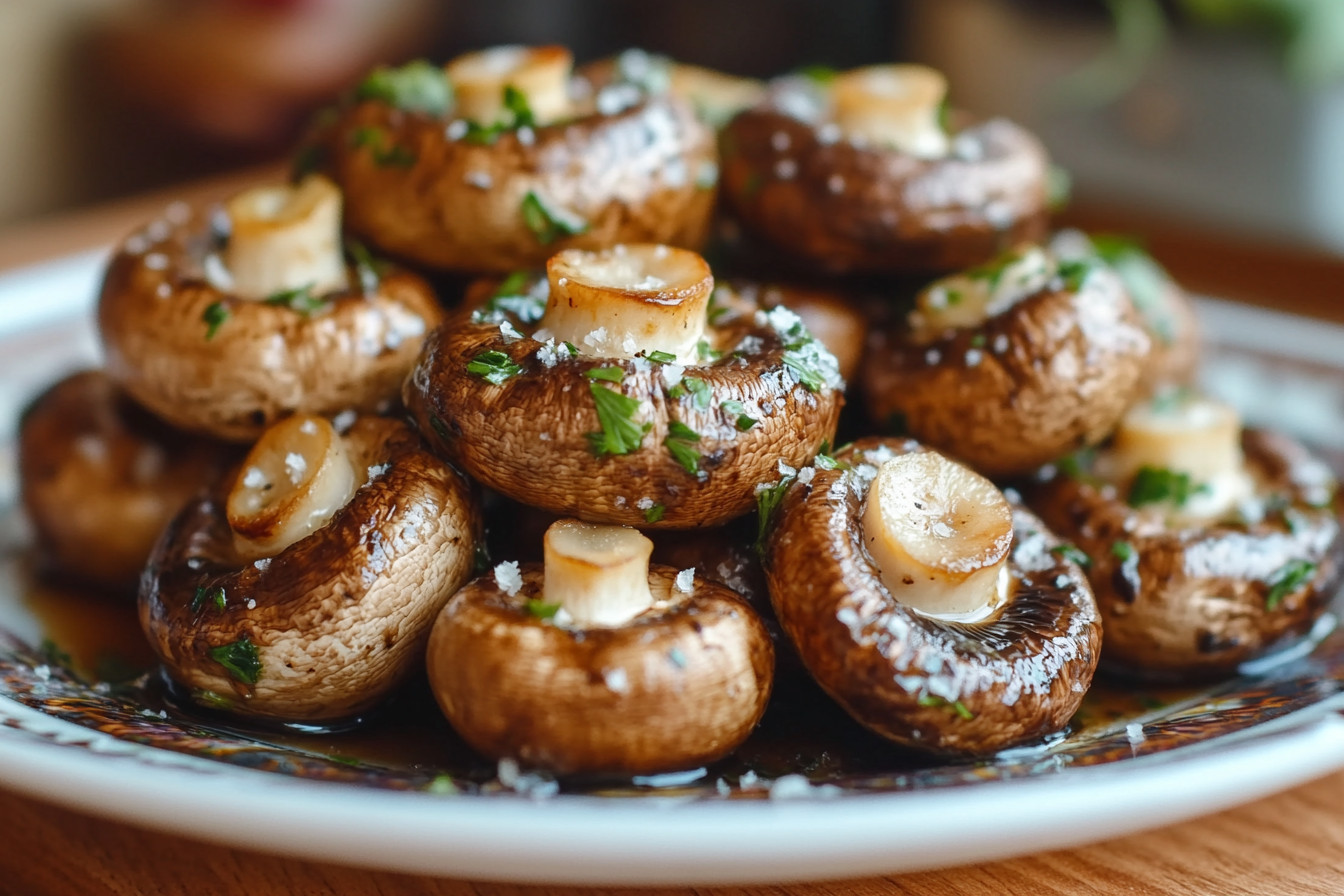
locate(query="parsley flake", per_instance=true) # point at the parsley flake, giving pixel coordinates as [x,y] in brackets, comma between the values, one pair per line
[518,114]
[418,86]
[240,659]
[744,420]
[205,596]
[654,513]
[1122,551]
[768,499]
[540,608]
[698,389]
[679,443]
[1287,579]
[1071,552]
[300,300]
[607,374]
[494,367]
[1156,485]
[955,706]
[661,357]
[549,223]
[705,353]
[620,434]
[368,269]
[384,156]
[213,317]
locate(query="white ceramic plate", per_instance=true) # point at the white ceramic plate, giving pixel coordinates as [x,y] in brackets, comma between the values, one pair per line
[1260,734]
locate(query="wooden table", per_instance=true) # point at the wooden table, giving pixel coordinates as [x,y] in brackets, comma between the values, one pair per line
[1289,843]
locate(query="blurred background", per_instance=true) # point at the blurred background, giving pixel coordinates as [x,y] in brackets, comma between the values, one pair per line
[1223,113]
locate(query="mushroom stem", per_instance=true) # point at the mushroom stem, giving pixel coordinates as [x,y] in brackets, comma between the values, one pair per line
[599,575]
[621,301]
[969,298]
[893,105]
[284,238]
[1186,435]
[541,74]
[294,480]
[940,535]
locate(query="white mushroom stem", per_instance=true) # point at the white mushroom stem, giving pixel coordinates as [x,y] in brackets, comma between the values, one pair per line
[968,299]
[893,105]
[1185,434]
[715,95]
[940,534]
[619,302]
[541,74]
[599,575]
[294,480]
[284,238]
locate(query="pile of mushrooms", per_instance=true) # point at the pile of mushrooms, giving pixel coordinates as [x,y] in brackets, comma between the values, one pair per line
[603,382]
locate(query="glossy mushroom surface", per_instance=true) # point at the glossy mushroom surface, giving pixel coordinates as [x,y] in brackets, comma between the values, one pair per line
[620,165]
[843,203]
[324,629]
[1047,365]
[100,478]
[631,441]
[942,685]
[676,687]
[1190,599]
[185,345]
[828,315]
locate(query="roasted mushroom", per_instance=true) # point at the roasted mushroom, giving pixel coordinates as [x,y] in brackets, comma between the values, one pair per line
[1165,311]
[858,174]
[1013,364]
[303,589]
[100,479]
[228,321]
[1209,545]
[510,163]
[618,392]
[597,662]
[937,612]
[715,96]
[827,314]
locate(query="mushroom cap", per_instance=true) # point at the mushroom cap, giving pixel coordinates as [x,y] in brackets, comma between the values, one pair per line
[1047,375]
[264,361]
[827,313]
[963,688]
[1193,602]
[100,478]
[527,437]
[681,685]
[337,619]
[841,207]
[635,175]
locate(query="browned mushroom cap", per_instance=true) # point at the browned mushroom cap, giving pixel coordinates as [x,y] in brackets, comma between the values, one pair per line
[634,442]
[1188,600]
[100,478]
[680,685]
[932,683]
[323,630]
[844,204]
[1047,368]
[827,314]
[206,360]
[490,197]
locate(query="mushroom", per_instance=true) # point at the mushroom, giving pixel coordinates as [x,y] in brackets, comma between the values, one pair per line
[226,321]
[857,173]
[520,165]
[99,478]
[934,609]
[597,663]
[619,391]
[716,96]
[303,588]
[1165,310]
[1013,364]
[827,314]
[1210,545]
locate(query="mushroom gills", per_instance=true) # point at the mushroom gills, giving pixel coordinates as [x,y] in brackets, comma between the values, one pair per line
[540,74]
[940,535]
[296,477]
[897,106]
[285,238]
[599,575]
[629,300]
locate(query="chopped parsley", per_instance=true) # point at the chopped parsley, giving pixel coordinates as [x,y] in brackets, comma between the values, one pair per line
[299,299]
[1286,579]
[620,434]
[540,608]
[661,357]
[654,513]
[802,362]
[715,311]
[978,340]
[955,706]
[705,353]
[1071,552]
[698,389]
[606,374]
[418,86]
[547,223]
[368,269]
[821,74]
[384,156]
[1157,485]
[213,317]
[240,658]
[205,596]
[516,296]
[744,420]
[767,500]
[493,367]
[1122,551]
[1075,271]
[680,443]
[1078,465]
[518,114]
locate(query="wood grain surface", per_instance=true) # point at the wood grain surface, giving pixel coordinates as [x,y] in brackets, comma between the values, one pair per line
[1289,843]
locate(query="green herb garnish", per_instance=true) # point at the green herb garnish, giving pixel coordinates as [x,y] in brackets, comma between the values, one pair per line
[205,596]
[821,74]
[1122,551]
[697,388]
[705,353]
[515,102]
[443,785]
[300,299]
[1157,485]
[540,608]
[1075,271]
[661,357]
[607,374]
[384,156]
[744,420]
[620,434]
[679,443]
[493,367]
[213,317]
[955,706]
[715,310]
[1071,552]
[767,500]
[418,86]
[240,658]
[1286,579]
[518,114]
[368,269]
[549,224]
[654,513]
